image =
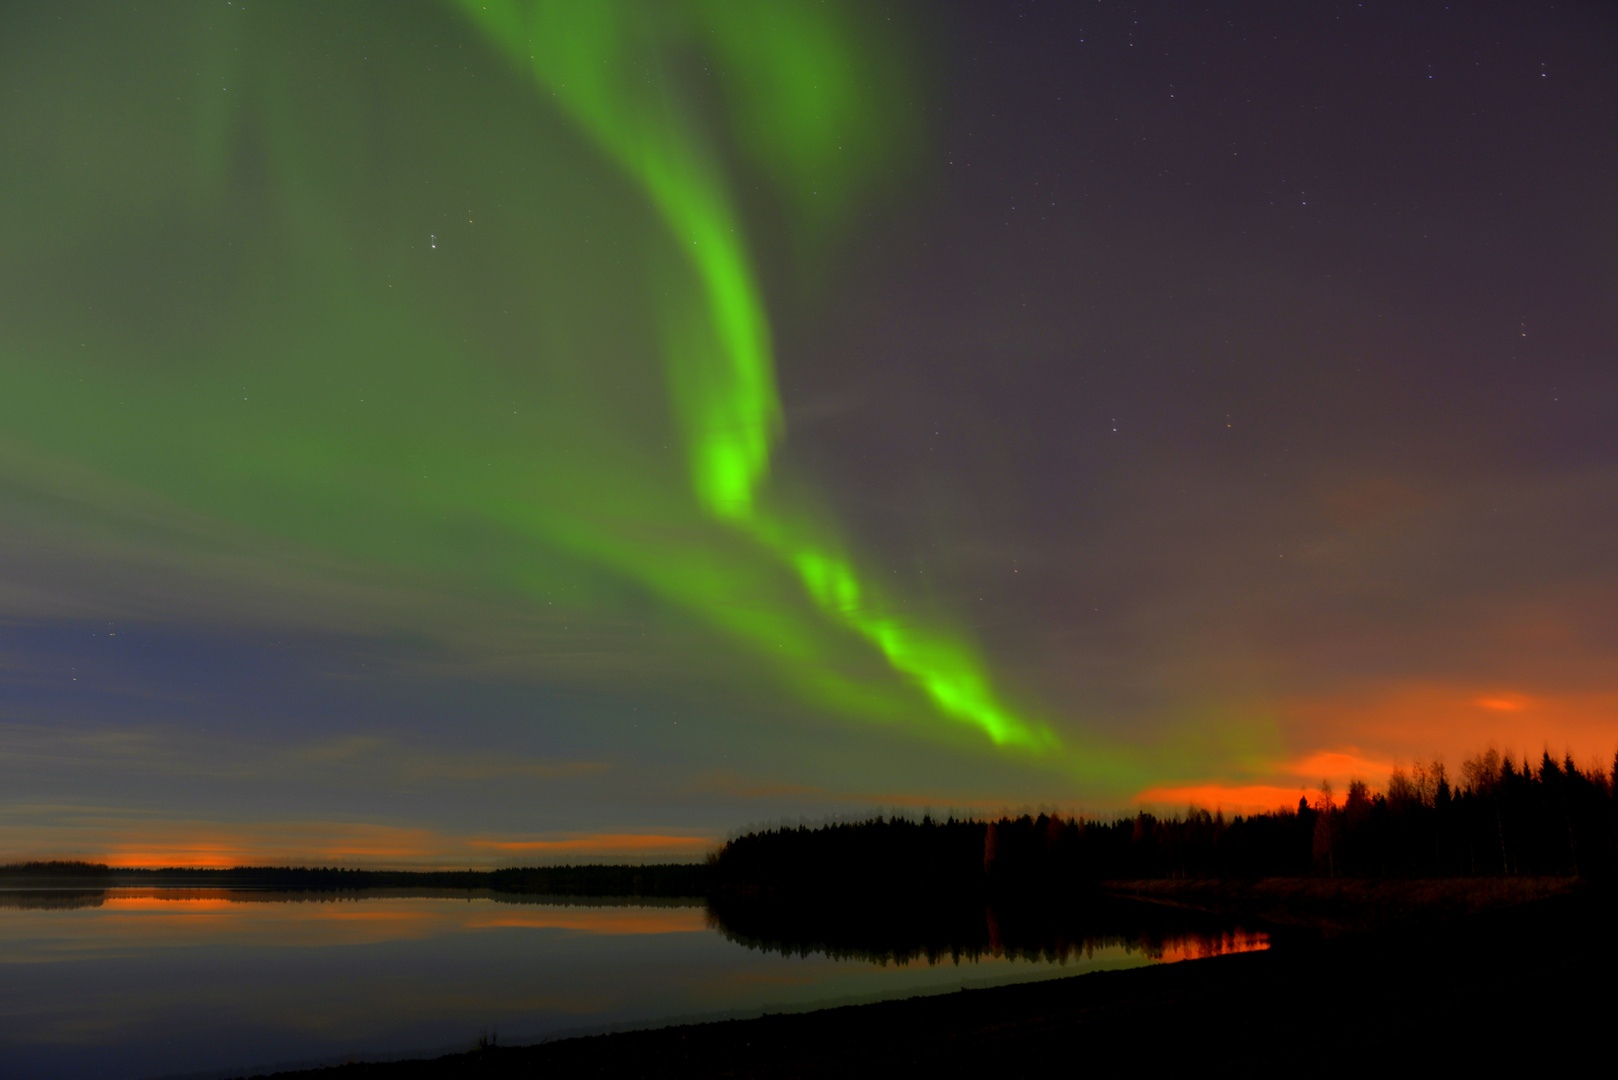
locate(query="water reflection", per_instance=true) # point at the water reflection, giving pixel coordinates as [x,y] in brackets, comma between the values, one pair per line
[141,982]
[1051,931]
[894,934]
[135,920]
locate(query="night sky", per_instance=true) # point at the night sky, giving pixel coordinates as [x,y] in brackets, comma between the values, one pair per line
[448,433]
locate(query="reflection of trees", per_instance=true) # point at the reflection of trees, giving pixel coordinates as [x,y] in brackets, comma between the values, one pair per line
[911,929]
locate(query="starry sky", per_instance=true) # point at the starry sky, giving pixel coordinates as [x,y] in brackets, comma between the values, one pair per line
[438,433]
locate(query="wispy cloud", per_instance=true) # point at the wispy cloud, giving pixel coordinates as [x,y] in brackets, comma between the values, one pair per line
[405,762]
[736,786]
[604,844]
[170,749]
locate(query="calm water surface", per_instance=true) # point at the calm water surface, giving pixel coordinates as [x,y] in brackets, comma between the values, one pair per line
[172,982]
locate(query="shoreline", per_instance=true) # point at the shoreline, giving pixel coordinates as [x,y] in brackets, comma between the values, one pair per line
[1341,905]
[1443,989]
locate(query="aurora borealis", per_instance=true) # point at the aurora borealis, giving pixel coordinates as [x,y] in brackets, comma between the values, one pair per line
[460,431]
[718,356]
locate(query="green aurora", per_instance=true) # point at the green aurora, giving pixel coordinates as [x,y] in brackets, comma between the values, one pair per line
[719,363]
[518,420]
[383,344]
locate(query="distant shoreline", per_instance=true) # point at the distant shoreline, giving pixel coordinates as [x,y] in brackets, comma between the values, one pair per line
[1328,904]
[649,880]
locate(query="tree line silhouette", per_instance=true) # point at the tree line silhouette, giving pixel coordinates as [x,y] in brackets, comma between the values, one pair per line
[941,928]
[1499,817]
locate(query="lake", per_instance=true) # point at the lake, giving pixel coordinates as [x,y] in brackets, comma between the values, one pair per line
[143,982]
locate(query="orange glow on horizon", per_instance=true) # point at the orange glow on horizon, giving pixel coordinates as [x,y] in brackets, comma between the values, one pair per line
[1335,738]
[183,856]
[1364,737]
[1231,799]
[408,913]
[1334,765]
[191,856]
[136,842]
[1423,720]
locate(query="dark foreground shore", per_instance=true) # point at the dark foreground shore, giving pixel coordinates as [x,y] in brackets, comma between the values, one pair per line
[1534,984]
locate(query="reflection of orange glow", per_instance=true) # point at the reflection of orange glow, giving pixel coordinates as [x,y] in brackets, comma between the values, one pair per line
[603,843]
[188,900]
[133,920]
[1202,946]
[588,920]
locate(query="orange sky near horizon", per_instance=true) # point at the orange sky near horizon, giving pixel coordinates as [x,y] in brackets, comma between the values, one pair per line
[1407,723]
[201,845]
[1354,738]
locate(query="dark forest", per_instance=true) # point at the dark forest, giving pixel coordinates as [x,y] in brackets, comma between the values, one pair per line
[1497,818]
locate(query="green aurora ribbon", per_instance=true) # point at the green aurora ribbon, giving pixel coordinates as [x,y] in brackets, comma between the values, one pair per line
[593,57]
[316,292]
